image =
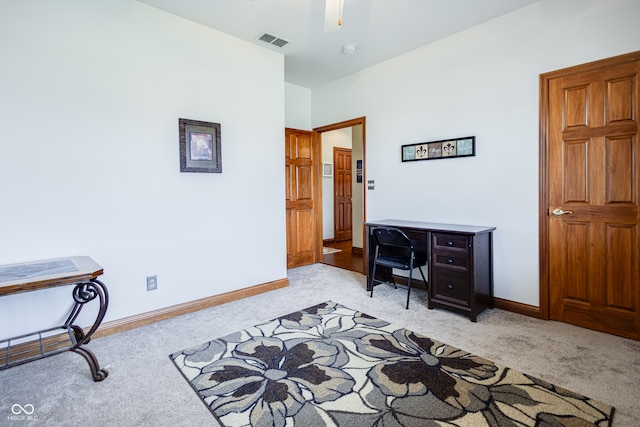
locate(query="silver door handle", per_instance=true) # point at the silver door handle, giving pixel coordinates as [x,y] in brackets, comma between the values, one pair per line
[560,212]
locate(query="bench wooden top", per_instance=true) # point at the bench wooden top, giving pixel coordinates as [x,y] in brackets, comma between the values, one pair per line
[34,275]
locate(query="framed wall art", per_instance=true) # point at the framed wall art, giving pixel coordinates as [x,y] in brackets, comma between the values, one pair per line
[200,146]
[444,149]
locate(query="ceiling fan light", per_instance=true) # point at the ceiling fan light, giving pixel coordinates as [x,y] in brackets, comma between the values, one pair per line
[333,15]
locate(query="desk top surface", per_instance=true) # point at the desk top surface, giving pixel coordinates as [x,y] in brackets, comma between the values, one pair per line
[29,276]
[430,226]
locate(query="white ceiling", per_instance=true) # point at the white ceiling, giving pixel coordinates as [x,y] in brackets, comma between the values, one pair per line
[379,29]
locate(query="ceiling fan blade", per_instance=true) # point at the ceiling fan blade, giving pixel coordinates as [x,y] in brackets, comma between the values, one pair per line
[332,15]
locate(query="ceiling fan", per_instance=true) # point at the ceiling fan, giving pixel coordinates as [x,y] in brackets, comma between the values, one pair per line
[333,15]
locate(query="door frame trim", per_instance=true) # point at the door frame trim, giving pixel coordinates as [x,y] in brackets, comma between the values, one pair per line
[543,200]
[317,138]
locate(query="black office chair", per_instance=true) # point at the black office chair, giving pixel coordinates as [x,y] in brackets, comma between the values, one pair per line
[395,250]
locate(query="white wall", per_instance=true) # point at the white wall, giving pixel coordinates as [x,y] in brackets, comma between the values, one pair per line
[90,97]
[297,102]
[482,82]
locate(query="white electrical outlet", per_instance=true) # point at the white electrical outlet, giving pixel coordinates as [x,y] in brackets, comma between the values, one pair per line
[152,283]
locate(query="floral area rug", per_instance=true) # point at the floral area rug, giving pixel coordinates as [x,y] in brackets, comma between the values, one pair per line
[329,365]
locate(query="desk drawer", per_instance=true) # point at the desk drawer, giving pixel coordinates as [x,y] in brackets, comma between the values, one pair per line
[451,259]
[453,242]
[451,286]
[417,235]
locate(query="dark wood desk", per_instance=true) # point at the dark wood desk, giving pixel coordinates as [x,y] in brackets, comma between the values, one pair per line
[459,262]
[82,272]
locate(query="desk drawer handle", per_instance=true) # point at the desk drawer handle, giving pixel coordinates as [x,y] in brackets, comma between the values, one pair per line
[450,243]
[450,260]
[450,286]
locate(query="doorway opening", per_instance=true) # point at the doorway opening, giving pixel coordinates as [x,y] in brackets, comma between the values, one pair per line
[343,195]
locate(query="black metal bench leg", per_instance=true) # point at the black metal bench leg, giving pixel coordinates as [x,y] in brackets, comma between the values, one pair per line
[97,373]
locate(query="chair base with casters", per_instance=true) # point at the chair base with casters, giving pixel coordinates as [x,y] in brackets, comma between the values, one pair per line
[395,250]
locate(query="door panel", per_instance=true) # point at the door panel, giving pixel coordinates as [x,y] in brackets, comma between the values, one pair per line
[620,247]
[619,170]
[301,198]
[594,177]
[575,170]
[576,250]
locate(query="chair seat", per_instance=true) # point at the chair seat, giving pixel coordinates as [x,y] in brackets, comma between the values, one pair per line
[395,250]
[394,262]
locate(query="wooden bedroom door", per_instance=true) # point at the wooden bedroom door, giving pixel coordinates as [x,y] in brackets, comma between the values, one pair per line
[593,196]
[342,190]
[304,244]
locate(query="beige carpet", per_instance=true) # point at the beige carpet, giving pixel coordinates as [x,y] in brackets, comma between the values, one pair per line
[145,389]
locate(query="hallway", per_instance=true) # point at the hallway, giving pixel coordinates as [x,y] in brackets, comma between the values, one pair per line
[346,258]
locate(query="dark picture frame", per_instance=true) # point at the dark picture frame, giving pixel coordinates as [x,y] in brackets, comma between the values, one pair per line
[200,146]
[443,149]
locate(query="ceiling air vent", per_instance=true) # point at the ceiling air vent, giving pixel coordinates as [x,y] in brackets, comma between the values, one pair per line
[273,40]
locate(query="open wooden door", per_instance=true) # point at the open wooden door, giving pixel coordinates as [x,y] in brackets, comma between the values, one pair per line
[302,169]
[593,182]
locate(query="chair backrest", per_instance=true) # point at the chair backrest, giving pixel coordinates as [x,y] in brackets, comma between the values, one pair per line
[391,237]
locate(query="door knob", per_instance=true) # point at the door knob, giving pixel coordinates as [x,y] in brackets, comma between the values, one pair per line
[560,212]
